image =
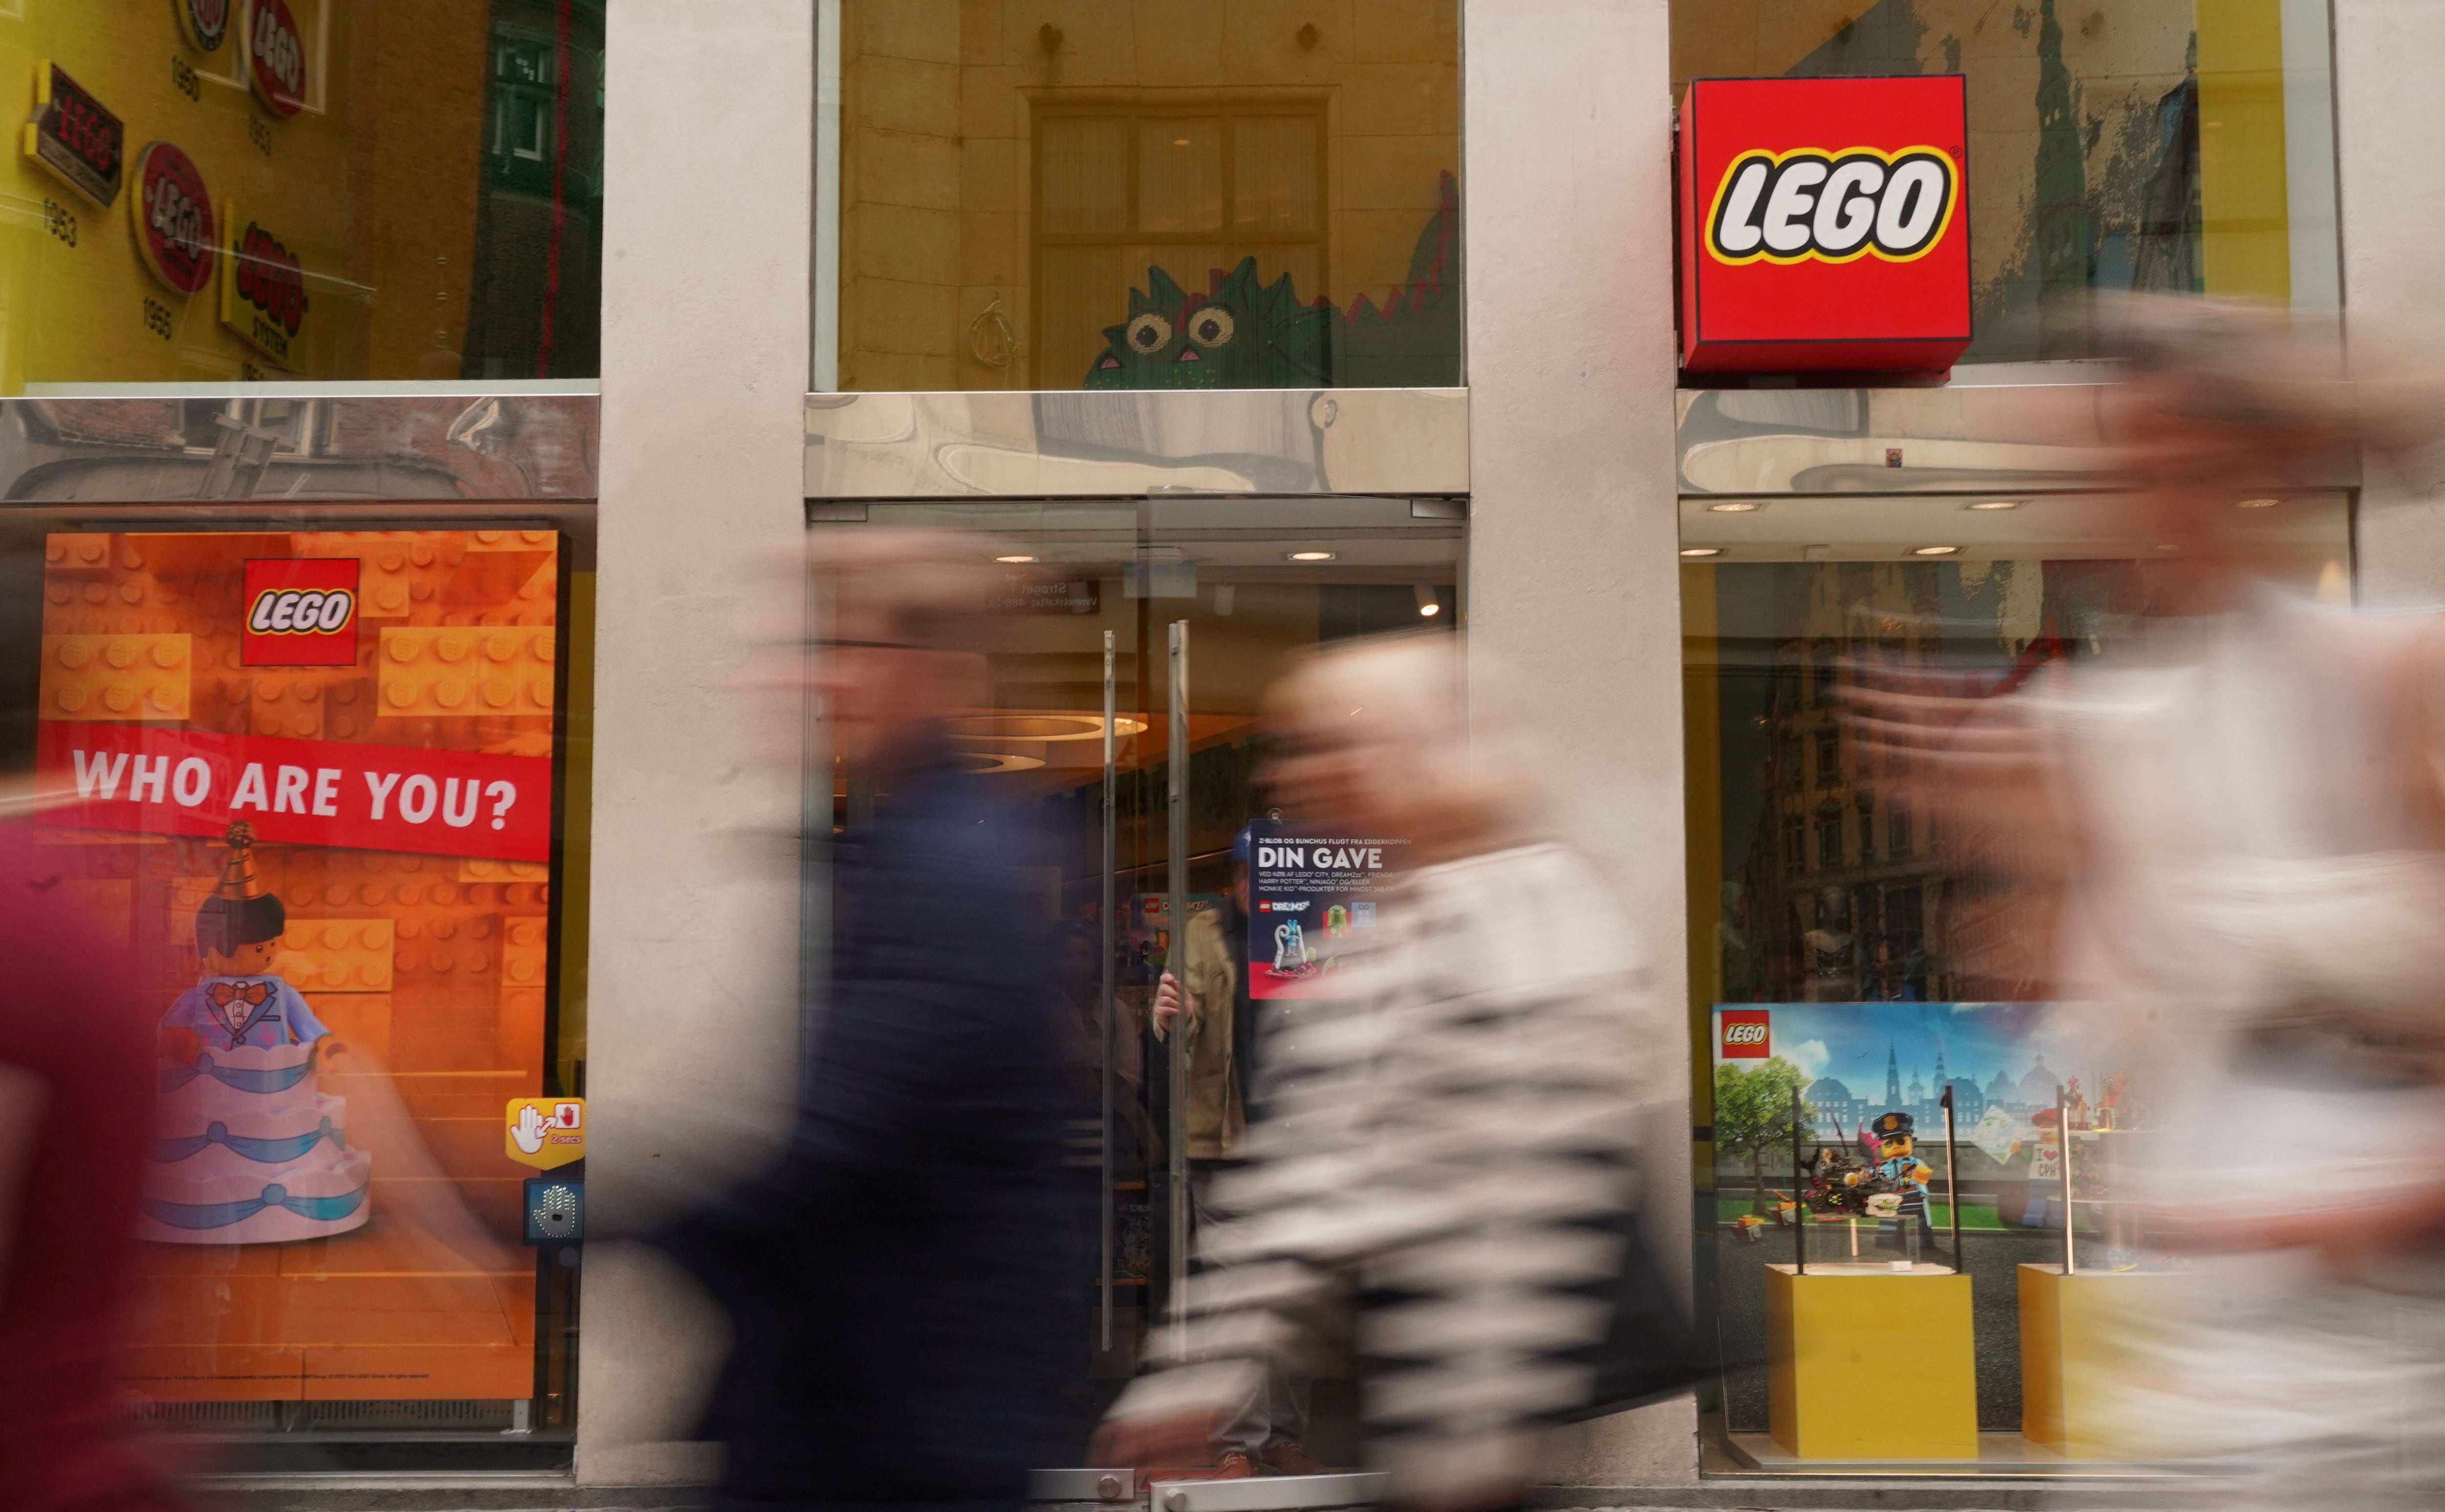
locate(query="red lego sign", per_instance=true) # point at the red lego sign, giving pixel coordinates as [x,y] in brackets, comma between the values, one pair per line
[1747,1033]
[300,612]
[1824,225]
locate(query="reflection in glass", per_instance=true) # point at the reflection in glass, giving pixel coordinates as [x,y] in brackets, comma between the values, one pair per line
[1033,199]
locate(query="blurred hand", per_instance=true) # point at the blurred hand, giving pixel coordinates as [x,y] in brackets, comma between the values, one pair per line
[1167,1003]
[1147,1442]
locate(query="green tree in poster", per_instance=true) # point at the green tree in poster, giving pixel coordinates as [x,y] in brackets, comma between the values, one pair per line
[1753,1112]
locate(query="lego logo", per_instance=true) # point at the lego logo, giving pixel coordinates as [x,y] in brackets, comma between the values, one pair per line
[1744,1034]
[302,611]
[1835,207]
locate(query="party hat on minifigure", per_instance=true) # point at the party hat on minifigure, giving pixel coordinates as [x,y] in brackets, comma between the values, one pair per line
[241,910]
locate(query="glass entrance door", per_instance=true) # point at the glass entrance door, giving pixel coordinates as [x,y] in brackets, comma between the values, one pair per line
[1123,708]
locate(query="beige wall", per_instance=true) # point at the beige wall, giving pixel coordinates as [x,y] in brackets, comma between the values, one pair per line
[935,154]
[1573,588]
[694,940]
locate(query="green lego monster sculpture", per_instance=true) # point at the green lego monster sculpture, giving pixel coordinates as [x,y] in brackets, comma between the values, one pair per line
[1244,334]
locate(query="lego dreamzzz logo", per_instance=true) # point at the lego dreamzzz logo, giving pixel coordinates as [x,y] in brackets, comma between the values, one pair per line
[300,612]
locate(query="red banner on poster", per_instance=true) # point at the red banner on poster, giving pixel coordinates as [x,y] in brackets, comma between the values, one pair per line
[299,792]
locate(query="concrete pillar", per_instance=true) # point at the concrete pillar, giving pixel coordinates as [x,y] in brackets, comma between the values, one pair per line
[693,1019]
[1573,588]
[2388,119]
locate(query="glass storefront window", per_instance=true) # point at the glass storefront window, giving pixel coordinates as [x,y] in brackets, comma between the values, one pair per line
[1255,580]
[309,776]
[233,191]
[1855,968]
[2114,144]
[1164,194]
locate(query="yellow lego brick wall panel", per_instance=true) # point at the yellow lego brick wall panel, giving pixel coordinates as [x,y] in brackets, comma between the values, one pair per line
[336,955]
[1846,1344]
[466,671]
[116,678]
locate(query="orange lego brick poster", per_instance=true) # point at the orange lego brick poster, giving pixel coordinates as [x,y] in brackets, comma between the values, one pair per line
[305,777]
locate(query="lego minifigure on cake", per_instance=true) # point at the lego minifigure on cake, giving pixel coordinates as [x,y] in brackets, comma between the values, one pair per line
[251,1151]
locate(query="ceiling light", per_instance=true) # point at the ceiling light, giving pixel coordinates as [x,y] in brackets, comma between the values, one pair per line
[1702,551]
[1734,506]
[1014,558]
[1430,602]
[1310,556]
[2257,504]
[1430,610]
[1933,551]
[1994,504]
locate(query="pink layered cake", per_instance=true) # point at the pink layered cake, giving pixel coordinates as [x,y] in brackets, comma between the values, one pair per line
[249,1149]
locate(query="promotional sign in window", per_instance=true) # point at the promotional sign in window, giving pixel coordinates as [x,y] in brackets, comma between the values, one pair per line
[305,779]
[1824,225]
[1312,906]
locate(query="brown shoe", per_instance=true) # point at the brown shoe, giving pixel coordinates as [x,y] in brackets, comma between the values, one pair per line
[1231,1465]
[1290,1458]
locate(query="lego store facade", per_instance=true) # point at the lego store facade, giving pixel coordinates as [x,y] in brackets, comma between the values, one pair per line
[398,405]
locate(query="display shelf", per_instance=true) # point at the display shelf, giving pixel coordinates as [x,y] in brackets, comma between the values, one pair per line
[1870,1361]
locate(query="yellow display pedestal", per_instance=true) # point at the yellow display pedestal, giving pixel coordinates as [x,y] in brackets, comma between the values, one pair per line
[1867,1362]
[2073,1334]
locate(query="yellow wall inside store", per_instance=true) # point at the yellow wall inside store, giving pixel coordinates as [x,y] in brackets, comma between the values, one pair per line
[936,97]
[374,186]
[2244,210]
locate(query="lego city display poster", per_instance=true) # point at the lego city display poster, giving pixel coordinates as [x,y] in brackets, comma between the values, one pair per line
[1872,1077]
[1312,901]
[305,779]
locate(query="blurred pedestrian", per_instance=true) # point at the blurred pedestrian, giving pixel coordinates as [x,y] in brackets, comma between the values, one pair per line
[76,1125]
[1443,1172]
[895,1280]
[2236,807]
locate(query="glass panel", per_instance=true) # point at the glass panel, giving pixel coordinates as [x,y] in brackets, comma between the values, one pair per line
[1015,192]
[1849,954]
[304,189]
[2088,165]
[1179,176]
[1257,580]
[312,786]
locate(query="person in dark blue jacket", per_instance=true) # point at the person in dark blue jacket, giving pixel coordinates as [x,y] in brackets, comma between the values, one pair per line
[896,1281]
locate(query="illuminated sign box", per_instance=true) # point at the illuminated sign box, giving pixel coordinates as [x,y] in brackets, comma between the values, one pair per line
[1825,225]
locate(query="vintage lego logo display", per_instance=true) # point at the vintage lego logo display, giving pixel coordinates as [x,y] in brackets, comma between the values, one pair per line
[301,611]
[76,138]
[275,56]
[176,233]
[1747,1033]
[1822,227]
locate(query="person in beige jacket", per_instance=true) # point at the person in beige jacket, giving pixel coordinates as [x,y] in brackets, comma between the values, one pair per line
[1217,1112]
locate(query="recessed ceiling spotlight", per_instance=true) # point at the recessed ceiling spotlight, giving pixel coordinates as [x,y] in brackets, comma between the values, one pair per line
[1735,506]
[1702,551]
[1309,556]
[1014,558]
[1933,551]
[2257,504]
[1994,504]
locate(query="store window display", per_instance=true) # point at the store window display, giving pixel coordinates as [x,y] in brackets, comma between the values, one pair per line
[308,782]
[234,191]
[2090,167]
[1058,194]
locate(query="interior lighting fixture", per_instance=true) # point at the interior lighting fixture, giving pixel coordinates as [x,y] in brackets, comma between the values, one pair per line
[1430,602]
[1735,506]
[1309,556]
[1014,558]
[2257,504]
[1983,505]
[1702,551]
[1933,551]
